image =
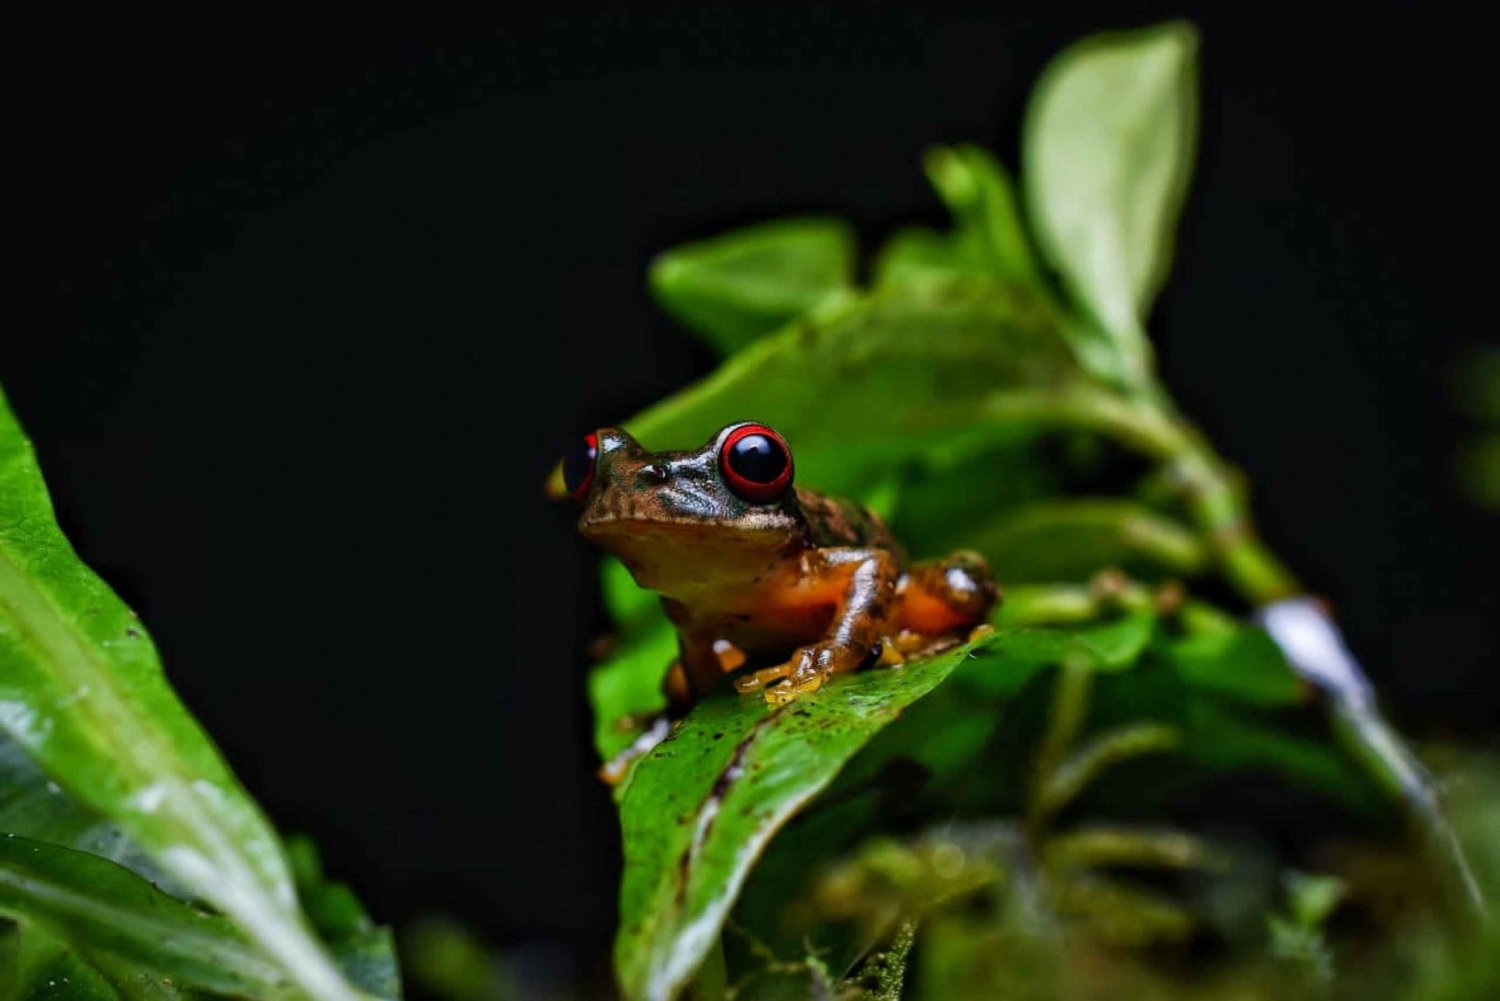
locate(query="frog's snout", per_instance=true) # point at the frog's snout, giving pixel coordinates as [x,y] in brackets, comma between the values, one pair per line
[652,473]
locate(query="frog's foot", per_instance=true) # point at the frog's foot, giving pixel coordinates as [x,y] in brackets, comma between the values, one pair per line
[805,671]
[613,771]
[756,681]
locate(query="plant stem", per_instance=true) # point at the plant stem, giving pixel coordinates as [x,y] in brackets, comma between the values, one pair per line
[1222,512]
[1070,706]
[1146,425]
[1146,422]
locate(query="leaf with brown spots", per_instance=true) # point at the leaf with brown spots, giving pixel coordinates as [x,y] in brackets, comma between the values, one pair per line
[699,809]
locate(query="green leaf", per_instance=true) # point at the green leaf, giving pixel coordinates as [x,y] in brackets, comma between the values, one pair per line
[735,288]
[626,690]
[633,609]
[1108,150]
[1244,664]
[918,256]
[366,953]
[1071,539]
[1108,647]
[698,810]
[987,241]
[451,962]
[940,507]
[987,221]
[863,385]
[31,806]
[1233,738]
[1313,898]
[40,968]
[82,691]
[103,908]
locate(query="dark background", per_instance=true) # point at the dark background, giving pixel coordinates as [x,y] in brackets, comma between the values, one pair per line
[300,316]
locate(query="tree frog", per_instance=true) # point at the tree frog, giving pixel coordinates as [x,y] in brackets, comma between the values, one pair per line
[754,570]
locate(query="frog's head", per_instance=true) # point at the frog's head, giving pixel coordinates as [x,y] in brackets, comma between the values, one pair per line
[681,520]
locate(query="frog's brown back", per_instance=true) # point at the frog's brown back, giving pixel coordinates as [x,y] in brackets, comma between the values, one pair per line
[833,521]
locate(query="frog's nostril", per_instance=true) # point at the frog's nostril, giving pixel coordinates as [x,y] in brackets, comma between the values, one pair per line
[653,472]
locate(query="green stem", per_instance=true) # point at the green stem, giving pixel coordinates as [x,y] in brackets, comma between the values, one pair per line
[1148,426]
[1147,423]
[1070,707]
[1030,605]
[1220,508]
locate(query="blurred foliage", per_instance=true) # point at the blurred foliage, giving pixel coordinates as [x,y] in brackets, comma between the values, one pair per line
[1118,788]
[450,961]
[1476,390]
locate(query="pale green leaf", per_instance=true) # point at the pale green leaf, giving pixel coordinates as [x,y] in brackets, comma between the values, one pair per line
[863,385]
[734,288]
[1108,151]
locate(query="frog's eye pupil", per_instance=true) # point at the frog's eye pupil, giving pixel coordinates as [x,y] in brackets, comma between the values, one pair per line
[578,466]
[757,458]
[756,462]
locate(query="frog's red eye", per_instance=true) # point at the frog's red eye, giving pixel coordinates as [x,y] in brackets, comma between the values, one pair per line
[757,464]
[578,466]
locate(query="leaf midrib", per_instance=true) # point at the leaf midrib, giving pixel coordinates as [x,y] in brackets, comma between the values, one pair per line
[108,708]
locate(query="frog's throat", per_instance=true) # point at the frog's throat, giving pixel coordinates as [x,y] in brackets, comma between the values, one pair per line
[672,557]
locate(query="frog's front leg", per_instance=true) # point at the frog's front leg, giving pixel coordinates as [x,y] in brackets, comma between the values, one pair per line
[863,584]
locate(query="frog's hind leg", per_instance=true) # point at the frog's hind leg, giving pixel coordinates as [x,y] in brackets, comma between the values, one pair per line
[943,596]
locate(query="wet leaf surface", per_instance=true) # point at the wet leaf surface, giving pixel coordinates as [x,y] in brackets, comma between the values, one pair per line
[82,693]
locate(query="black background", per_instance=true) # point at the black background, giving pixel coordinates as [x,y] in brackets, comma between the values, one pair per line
[300,316]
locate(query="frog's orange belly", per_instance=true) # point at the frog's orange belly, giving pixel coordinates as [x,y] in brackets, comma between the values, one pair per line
[774,632]
[779,624]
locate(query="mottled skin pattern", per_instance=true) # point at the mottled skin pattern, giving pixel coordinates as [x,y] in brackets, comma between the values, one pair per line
[812,584]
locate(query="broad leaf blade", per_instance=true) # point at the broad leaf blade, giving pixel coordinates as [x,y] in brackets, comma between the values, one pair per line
[1071,539]
[1244,664]
[734,288]
[32,806]
[699,809]
[1108,150]
[82,691]
[103,908]
[861,386]
[1107,647]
